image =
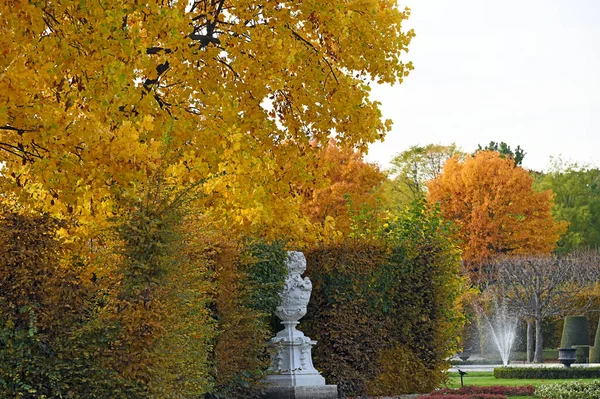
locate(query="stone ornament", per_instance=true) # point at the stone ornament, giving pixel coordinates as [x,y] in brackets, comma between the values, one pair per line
[296,291]
[291,355]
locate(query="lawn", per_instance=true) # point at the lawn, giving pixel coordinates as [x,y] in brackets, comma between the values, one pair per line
[486,378]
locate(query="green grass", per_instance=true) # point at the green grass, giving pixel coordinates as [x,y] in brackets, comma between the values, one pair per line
[547,355]
[486,378]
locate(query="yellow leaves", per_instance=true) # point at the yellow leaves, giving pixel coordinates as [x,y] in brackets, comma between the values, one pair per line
[147,123]
[146,94]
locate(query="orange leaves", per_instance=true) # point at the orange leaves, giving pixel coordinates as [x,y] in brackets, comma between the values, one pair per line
[349,185]
[495,208]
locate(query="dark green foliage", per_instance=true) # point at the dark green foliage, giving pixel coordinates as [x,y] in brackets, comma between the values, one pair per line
[383,311]
[575,332]
[345,314]
[504,149]
[577,201]
[595,351]
[248,292]
[582,354]
[547,372]
[266,272]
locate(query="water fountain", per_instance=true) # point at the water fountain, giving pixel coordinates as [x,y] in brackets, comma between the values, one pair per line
[503,328]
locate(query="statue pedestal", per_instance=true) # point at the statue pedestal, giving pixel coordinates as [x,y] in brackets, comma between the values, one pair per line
[308,392]
[291,359]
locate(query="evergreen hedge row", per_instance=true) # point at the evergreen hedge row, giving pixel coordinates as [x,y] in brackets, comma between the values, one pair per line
[547,373]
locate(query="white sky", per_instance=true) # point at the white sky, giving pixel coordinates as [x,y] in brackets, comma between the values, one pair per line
[526,72]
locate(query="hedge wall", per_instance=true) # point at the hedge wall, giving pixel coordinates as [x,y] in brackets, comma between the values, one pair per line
[152,312]
[547,373]
[383,309]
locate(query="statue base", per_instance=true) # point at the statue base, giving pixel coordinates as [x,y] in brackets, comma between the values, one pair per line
[291,359]
[302,392]
[296,379]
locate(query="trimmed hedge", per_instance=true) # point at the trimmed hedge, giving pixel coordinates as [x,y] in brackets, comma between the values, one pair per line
[575,332]
[475,362]
[595,350]
[383,311]
[547,373]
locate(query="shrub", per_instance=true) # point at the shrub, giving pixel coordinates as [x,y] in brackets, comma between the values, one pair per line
[547,372]
[595,351]
[570,390]
[476,362]
[249,278]
[48,347]
[575,332]
[341,314]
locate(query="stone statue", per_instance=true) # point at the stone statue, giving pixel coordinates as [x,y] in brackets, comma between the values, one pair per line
[291,358]
[296,291]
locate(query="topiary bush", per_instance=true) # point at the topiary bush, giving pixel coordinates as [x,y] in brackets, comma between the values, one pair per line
[595,350]
[575,332]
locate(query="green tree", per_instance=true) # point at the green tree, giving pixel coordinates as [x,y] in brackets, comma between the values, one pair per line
[504,149]
[412,168]
[577,201]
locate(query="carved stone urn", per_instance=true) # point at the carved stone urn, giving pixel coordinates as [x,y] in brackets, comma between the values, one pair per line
[291,355]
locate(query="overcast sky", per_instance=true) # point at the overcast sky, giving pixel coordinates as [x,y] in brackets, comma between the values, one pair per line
[526,72]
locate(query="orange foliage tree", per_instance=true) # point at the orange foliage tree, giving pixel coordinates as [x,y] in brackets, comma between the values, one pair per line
[495,209]
[353,186]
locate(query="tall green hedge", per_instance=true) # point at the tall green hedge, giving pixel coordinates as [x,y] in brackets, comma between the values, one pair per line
[595,351]
[382,306]
[575,332]
[547,373]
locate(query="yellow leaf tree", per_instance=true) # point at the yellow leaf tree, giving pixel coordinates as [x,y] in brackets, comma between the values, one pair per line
[95,97]
[495,208]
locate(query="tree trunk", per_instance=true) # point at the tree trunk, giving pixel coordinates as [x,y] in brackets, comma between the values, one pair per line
[530,341]
[538,341]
